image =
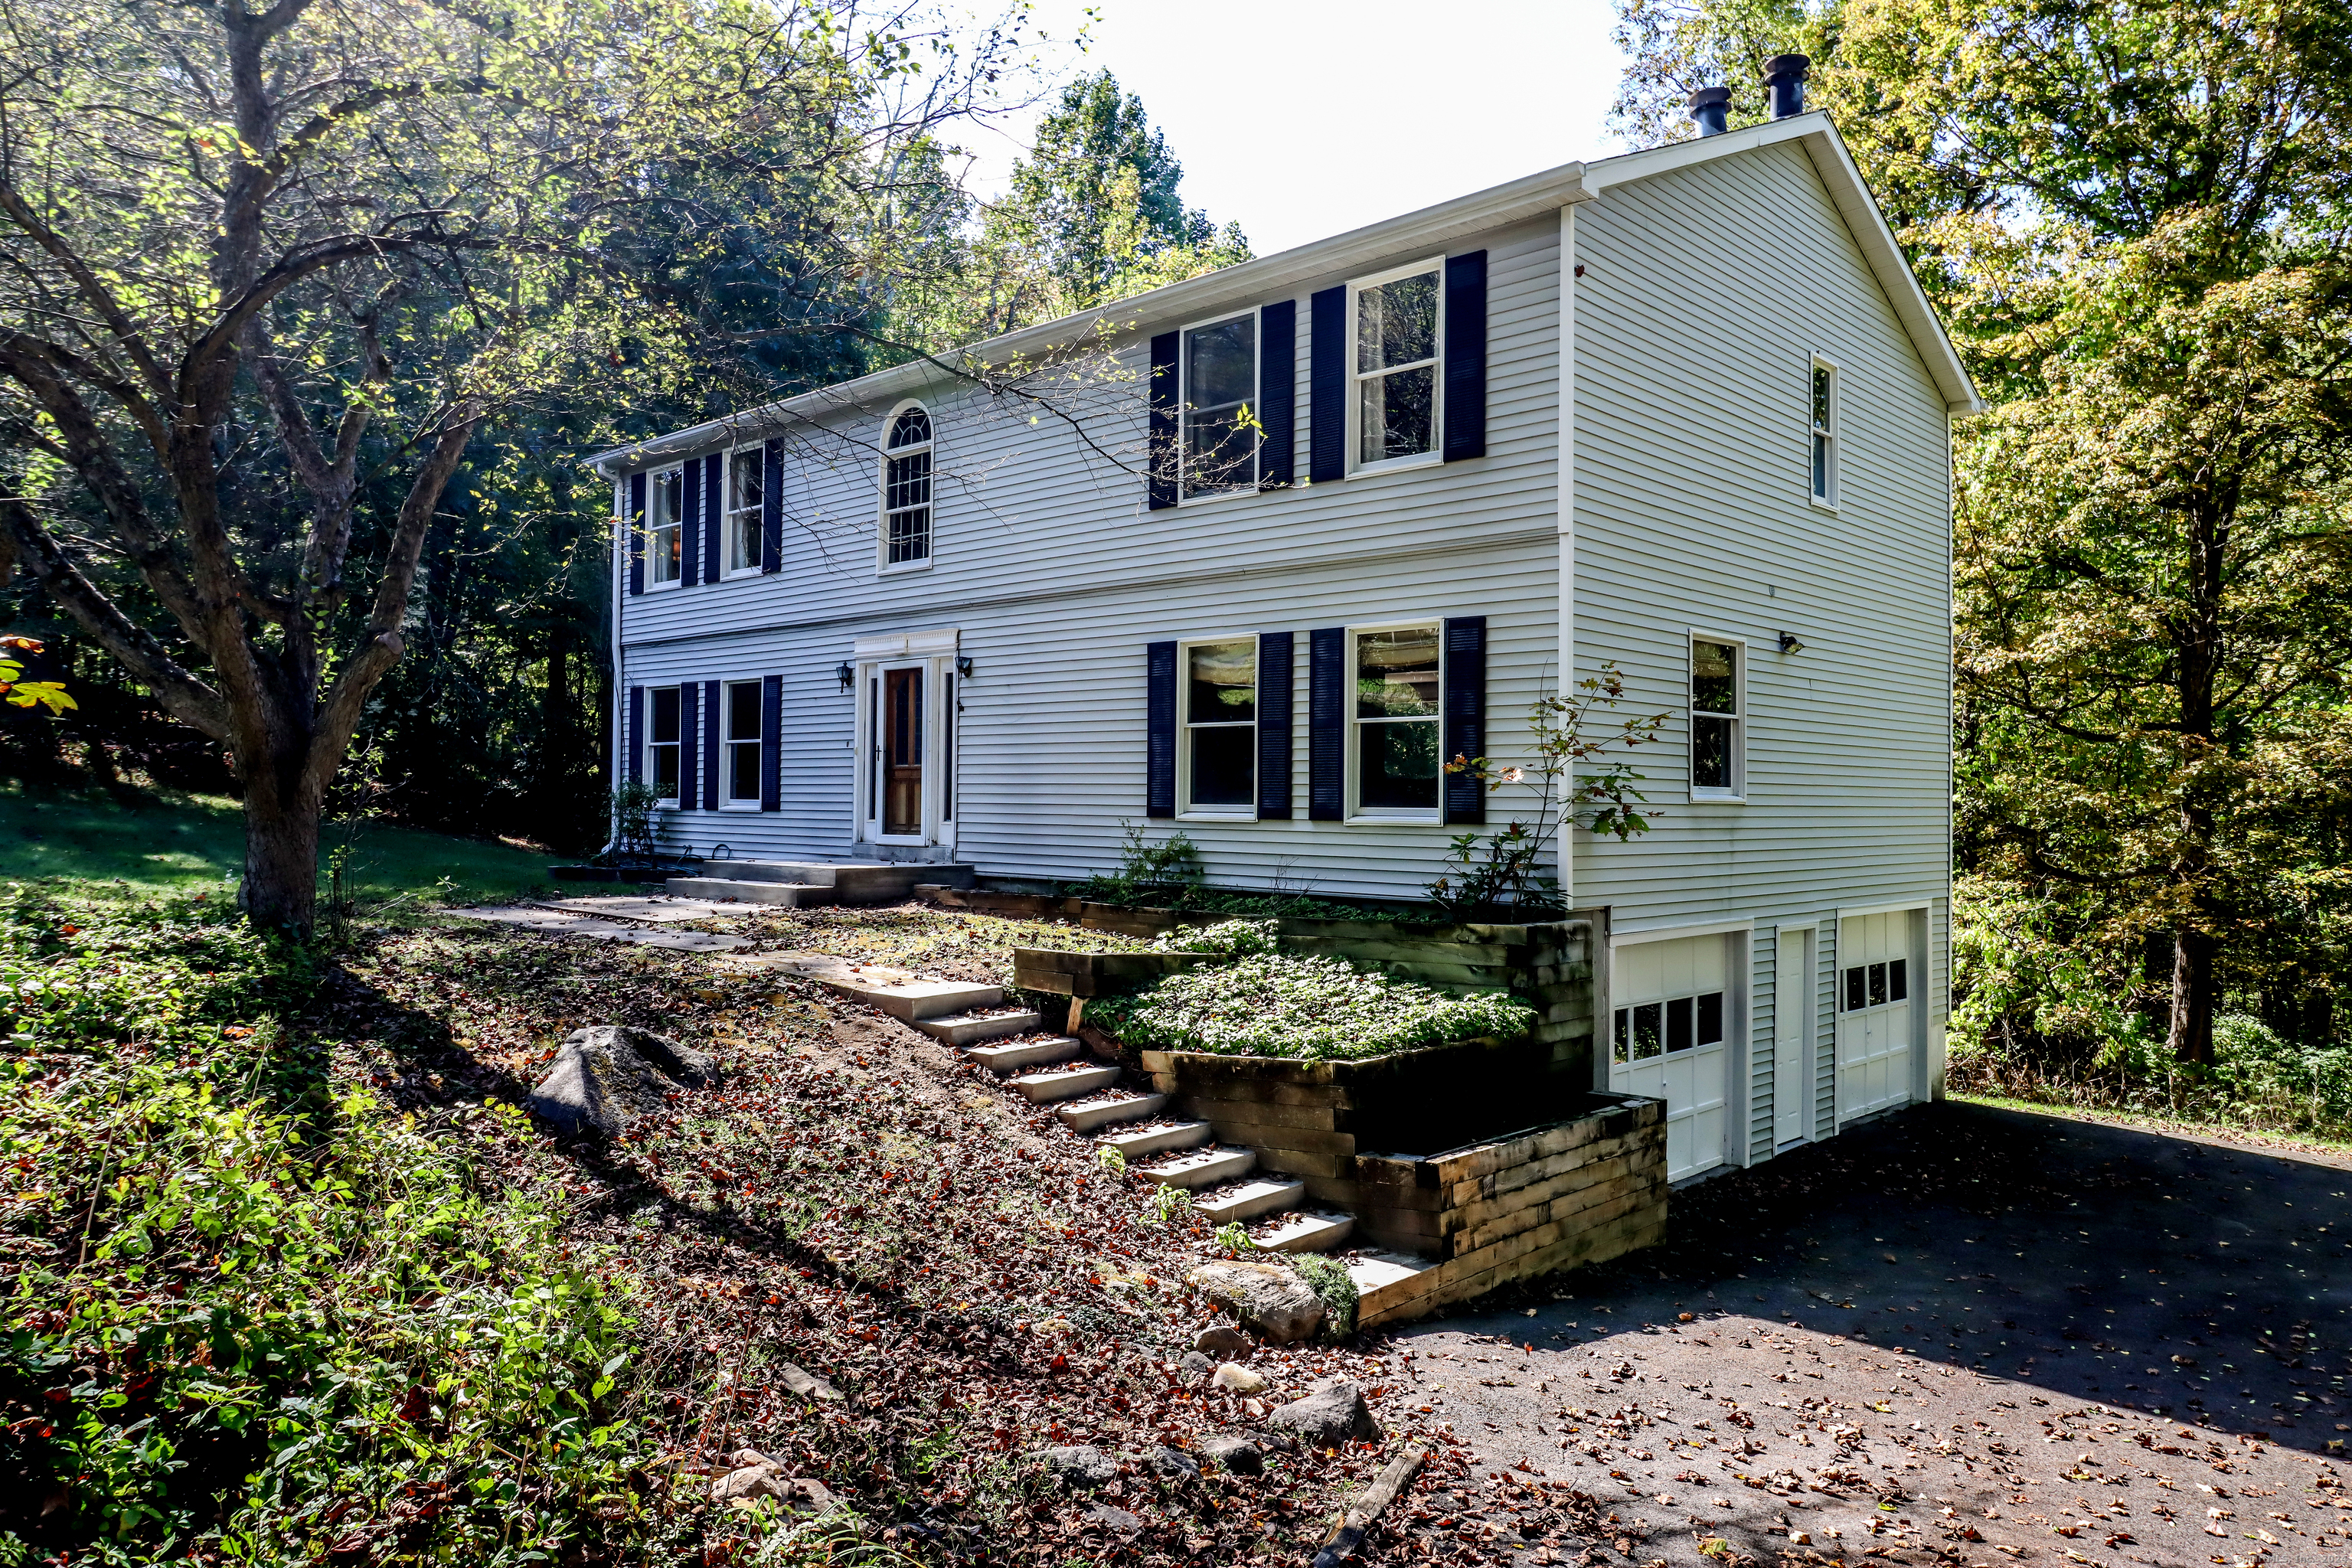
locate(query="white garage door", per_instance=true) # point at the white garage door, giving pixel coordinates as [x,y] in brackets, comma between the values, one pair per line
[1672,1001]
[1873,1025]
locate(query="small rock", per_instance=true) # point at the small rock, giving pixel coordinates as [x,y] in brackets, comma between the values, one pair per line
[1333,1413]
[814,1495]
[1082,1465]
[1224,1344]
[1056,1326]
[1195,1366]
[802,1381]
[1172,1462]
[742,1457]
[751,1481]
[1239,1379]
[1269,1299]
[1232,1452]
[606,1076]
[1118,1521]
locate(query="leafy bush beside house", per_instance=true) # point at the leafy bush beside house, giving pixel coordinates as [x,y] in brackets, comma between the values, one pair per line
[1272,1005]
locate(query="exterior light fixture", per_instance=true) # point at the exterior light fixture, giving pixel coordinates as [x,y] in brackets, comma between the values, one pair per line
[964,665]
[846,673]
[1791,643]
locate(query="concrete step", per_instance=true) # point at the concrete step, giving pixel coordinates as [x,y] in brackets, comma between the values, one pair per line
[1065,1083]
[1374,1271]
[1306,1231]
[847,881]
[748,892]
[1021,1054]
[1262,1195]
[971,1028]
[922,999]
[1157,1140]
[1125,1107]
[801,873]
[1202,1167]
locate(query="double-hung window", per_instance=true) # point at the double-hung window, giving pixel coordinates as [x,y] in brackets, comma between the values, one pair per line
[907,490]
[662,736]
[1717,760]
[1221,728]
[1824,415]
[1398,672]
[746,477]
[742,732]
[1219,398]
[665,530]
[1871,985]
[1397,334]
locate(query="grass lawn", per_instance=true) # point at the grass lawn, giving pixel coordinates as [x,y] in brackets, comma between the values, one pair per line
[150,846]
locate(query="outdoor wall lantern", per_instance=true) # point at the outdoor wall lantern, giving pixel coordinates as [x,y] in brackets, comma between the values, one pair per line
[846,673]
[964,665]
[1791,643]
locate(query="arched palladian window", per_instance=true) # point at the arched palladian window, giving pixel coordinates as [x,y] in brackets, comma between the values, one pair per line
[907,488]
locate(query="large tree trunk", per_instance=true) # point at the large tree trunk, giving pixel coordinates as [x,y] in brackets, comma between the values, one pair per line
[2192,995]
[284,802]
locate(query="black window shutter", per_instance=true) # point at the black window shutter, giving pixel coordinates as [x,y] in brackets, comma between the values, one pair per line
[1326,387]
[1278,394]
[714,516]
[771,512]
[710,745]
[689,744]
[632,762]
[1464,720]
[771,741]
[1466,359]
[1327,725]
[1162,447]
[636,533]
[1275,663]
[1159,720]
[690,524]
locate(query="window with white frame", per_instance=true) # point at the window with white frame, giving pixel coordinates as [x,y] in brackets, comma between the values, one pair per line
[742,742]
[906,490]
[746,477]
[1667,1027]
[1221,728]
[1218,396]
[1398,674]
[1396,368]
[662,737]
[665,533]
[1869,985]
[1824,406]
[1716,765]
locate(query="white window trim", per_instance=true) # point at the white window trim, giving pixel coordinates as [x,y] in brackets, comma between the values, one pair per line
[653,477]
[1836,497]
[1390,815]
[646,746]
[1436,453]
[883,565]
[1184,406]
[727,743]
[1737,794]
[1185,810]
[726,506]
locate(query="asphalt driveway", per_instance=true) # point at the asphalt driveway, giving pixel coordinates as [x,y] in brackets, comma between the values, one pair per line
[1963,1335]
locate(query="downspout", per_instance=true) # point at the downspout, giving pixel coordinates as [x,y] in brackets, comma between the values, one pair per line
[620,568]
[1566,502]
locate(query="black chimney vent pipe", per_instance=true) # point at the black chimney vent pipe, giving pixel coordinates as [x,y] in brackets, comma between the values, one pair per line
[1708,106]
[1784,82]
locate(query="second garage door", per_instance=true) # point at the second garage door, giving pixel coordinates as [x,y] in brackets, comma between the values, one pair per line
[1672,1007]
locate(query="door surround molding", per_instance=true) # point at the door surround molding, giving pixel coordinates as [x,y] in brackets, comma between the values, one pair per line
[933,653]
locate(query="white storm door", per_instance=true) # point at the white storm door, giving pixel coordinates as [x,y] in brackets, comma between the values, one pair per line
[1874,1024]
[1671,1006]
[1792,1035]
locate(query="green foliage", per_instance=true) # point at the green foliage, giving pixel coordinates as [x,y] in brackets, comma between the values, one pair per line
[1165,1204]
[1268,1005]
[1148,872]
[1234,1237]
[1330,1280]
[251,1316]
[1111,1160]
[634,828]
[1226,938]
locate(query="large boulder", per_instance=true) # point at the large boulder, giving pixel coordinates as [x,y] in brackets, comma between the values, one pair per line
[1333,1413]
[1267,1298]
[606,1076]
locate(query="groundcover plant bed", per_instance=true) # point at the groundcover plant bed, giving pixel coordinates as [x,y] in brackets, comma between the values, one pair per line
[1271,1004]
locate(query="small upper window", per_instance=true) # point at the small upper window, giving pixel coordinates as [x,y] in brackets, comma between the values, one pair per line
[662,743]
[1221,726]
[1715,761]
[1396,367]
[665,535]
[1824,404]
[1221,428]
[906,490]
[743,743]
[746,476]
[1396,719]
[1871,985]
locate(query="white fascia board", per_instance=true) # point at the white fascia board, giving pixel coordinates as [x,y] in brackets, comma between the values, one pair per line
[1852,194]
[1248,283]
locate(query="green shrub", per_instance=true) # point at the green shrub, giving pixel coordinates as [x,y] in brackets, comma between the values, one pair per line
[1331,1281]
[1226,938]
[1268,1005]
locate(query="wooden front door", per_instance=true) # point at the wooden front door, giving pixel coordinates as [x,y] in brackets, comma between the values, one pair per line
[902,754]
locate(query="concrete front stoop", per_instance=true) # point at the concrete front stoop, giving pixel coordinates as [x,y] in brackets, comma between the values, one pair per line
[801,883]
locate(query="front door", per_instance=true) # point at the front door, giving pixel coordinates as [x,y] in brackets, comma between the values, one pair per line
[902,752]
[1874,1024]
[1672,1006]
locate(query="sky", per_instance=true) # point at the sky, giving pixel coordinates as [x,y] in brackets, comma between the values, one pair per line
[1300,119]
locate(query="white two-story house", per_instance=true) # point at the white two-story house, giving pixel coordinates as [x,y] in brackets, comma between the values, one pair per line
[1246,556]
